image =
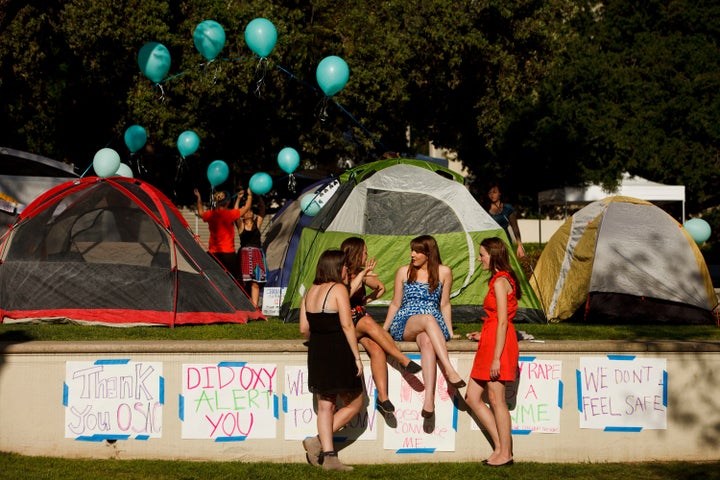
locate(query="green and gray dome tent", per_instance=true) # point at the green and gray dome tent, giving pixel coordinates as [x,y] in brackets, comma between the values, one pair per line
[624,260]
[390,202]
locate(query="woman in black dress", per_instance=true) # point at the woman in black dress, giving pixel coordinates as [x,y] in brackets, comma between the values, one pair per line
[334,366]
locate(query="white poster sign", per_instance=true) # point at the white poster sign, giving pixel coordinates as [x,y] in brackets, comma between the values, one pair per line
[229,401]
[413,433]
[113,400]
[539,396]
[622,393]
[272,299]
[300,414]
[535,398]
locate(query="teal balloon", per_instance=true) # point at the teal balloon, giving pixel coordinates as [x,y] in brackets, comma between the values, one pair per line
[124,171]
[332,75]
[154,61]
[698,229]
[260,183]
[209,38]
[135,138]
[309,205]
[106,162]
[188,143]
[217,172]
[261,36]
[288,159]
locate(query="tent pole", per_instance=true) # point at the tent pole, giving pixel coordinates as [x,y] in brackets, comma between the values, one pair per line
[683,212]
[539,224]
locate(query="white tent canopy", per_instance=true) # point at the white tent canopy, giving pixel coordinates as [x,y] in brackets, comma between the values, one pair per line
[630,186]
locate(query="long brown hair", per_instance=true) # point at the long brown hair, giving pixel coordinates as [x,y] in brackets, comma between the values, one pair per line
[426,245]
[500,260]
[353,248]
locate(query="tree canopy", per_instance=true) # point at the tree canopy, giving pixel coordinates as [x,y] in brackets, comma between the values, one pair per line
[535,94]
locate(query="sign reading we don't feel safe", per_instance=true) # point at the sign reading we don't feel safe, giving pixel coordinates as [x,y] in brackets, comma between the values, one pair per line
[622,393]
[113,399]
[229,401]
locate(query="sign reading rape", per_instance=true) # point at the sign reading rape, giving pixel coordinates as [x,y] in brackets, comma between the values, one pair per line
[622,393]
[535,399]
[113,399]
[229,401]
[539,396]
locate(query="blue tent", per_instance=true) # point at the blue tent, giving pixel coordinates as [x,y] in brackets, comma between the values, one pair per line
[283,235]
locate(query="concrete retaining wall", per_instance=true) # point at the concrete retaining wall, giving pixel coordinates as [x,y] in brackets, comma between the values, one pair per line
[32,415]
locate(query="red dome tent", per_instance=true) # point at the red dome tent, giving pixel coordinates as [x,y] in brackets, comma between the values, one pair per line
[116,252]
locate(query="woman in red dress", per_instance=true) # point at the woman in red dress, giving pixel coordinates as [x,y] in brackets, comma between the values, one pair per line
[496,360]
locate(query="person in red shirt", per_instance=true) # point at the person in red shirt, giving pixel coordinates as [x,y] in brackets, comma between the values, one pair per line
[496,360]
[221,223]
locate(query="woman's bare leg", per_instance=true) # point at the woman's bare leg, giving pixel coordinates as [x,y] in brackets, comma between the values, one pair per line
[418,324]
[366,326]
[255,293]
[352,403]
[325,422]
[429,370]
[378,366]
[473,398]
[503,423]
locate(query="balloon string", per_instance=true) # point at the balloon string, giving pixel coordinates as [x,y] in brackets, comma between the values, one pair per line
[291,183]
[179,168]
[138,163]
[86,170]
[215,72]
[162,92]
[213,204]
[260,72]
[374,139]
[321,109]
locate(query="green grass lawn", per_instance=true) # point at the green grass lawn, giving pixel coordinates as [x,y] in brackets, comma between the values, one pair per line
[20,467]
[275,329]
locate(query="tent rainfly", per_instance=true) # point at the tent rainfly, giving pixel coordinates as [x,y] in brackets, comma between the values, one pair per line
[624,260]
[113,252]
[389,202]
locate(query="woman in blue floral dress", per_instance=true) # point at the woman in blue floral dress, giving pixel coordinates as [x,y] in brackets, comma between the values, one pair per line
[420,311]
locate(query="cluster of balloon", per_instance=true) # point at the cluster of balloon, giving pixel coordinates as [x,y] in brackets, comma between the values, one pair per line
[217,173]
[309,204]
[698,229]
[260,183]
[332,75]
[288,160]
[260,37]
[209,39]
[106,162]
[154,61]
